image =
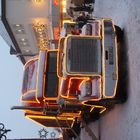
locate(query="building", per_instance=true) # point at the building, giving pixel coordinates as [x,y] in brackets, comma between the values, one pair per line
[30,25]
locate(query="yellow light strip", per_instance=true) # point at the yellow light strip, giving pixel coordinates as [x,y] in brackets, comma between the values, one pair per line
[104,76]
[71,114]
[37,79]
[27,93]
[33,112]
[92,108]
[70,81]
[31,91]
[59,62]
[41,35]
[100,96]
[32,59]
[103,110]
[50,117]
[96,106]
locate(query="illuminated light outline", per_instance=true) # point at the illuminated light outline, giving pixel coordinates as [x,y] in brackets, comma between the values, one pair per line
[100,97]
[97,106]
[69,85]
[37,1]
[92,108]
[56,2]
[42,41]
[28,100]
[32,59]
[61,16]
[29,92]
[44,75]
[116,66]
[42,124]
[65,56]
[103,110]
[59,65]
[84,78]
[56,31]
[31,117]
[59,62]
[99,31]
[71,114]
[83,82]
[50,117]
[25,66]
[59,88]
[34,112]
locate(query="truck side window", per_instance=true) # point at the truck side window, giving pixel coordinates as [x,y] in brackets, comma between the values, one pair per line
[29,81]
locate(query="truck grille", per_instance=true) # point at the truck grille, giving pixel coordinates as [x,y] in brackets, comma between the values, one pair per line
[83,55]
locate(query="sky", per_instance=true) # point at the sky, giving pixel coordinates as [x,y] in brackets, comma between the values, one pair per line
[11,73]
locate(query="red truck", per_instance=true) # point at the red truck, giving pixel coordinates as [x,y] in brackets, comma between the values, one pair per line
[76,82]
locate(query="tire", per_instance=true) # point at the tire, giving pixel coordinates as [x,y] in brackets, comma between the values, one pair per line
[119,34]
[76,128]
[123,76]
[90,117]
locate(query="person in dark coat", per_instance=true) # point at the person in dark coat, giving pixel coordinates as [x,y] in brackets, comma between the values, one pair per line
[83,19]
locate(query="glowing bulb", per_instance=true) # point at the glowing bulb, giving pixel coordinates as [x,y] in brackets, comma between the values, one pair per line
[17,25]
[27,51]
[19,30]
[23,39]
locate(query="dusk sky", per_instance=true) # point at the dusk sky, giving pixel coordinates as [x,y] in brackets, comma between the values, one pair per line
[11,72]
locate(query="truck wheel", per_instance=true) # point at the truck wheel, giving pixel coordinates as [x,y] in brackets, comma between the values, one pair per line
[76,129]
[90,117]
[119,34]
[123,76]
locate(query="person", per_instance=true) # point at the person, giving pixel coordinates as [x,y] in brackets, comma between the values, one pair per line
[70,13]
[83,19]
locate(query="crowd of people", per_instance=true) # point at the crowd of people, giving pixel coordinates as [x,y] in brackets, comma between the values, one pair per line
[84,8]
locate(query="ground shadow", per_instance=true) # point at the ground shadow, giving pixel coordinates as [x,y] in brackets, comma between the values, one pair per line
[123,70]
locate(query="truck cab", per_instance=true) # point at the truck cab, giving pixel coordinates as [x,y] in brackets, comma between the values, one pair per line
[88,64]
[75,82]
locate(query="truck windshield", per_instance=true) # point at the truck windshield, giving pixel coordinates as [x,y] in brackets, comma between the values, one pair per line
[51,82]
[29,80]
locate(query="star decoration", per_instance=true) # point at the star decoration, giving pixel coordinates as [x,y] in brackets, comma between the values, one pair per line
[43,133]
[53,134]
